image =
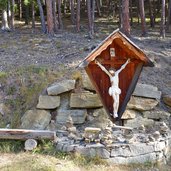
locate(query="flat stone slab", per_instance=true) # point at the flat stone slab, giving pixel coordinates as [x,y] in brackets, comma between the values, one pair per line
[78,116]
[85,100]
[87,83]
[157,114]
[129,114]
[142,104]
[145,90]
[137,122]
[167,100]
[48,102]
[61,87]
[35,119]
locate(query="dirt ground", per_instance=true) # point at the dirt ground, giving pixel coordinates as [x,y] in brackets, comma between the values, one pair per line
[23,48]
[68,48]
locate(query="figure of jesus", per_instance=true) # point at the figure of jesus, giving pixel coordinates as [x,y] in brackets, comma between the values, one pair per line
[114,90]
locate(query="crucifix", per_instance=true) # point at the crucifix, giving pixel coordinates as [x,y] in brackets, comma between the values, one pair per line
[114,90]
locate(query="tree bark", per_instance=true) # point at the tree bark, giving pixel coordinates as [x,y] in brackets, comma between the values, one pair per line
[12,14]
[33,15]
[5,26]
[78,16]
[20,9]
[142,15]
[125,18]
[72,11]
[60,15]
[55,20]
[43,25]
[26,14]
[168,17]
[90,12]
[162,28]
[131,15]
[50,24]
[24,134]
[98,8]
[152,22]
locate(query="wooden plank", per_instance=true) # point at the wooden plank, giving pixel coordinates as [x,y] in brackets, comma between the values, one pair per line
[24,134]
[130,89]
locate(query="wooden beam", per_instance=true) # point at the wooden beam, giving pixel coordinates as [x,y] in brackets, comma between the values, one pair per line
[24,134]
[130,89]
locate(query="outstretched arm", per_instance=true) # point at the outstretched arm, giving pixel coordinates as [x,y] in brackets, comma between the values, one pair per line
[102,68]
[123,66]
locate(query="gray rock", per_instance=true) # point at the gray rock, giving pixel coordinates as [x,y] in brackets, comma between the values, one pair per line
[135,123]
[167,100]
[149,91]
[3,109]
[159,146]
[78,116]
[61,87]
[157,114]
[85,100]
[35,119]
[101,119]
[129,114]
[93,151]
[87,83]
[142,104]
[48,102]
[132,150]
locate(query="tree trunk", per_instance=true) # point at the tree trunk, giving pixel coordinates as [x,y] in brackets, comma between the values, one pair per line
[5,26]
[60,15]
[20,9]
[33,15]
[98,8]
[27,14]
[78,16]
[43,25]
[142,15]
[131,15]
[125,17]
[120,14]
[152,23]
[90,12]
[169,17]
[162,28]
[55,20]
[50,24]
[12,14]
[72,11]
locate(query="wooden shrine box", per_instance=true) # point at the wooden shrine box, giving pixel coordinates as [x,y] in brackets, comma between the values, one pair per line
[112,53]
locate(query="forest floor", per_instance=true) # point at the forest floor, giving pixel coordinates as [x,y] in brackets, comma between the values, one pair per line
[23,48]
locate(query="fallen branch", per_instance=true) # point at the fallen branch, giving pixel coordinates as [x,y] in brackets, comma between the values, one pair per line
[24,134]
[121,127]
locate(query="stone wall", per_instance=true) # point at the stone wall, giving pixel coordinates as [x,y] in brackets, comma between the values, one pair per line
[70,106]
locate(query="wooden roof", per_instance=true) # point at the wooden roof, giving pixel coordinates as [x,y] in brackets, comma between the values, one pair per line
[123,41]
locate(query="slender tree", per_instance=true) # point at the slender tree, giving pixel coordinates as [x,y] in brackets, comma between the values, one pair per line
[125,26]
[55,20]
[33,14]
[72,11]
[90,12]
[151,10]
[50,24]
[43,25]
[169,16]
[60,15]
[162,27]
[12,14]
[3,7]
[142,15]
[78,16]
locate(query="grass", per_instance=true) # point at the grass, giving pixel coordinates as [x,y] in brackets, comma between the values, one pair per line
[46,158]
